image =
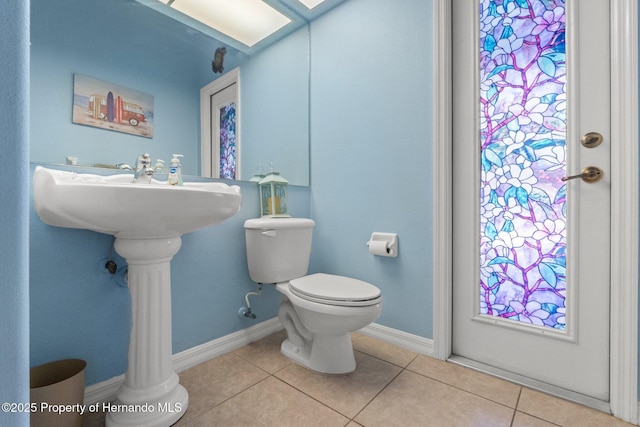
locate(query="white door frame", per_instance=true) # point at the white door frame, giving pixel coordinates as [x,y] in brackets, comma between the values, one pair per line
[208,167]
[624,195]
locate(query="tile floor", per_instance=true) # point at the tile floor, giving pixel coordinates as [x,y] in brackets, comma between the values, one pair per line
[257,386]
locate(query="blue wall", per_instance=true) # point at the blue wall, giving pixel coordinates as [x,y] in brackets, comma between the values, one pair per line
[371,139]
[371,99]
[14,228]
[76,309]
[371,147]
[371,150]
[275,109]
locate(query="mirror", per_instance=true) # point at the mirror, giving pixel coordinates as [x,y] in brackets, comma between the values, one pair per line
[126,44]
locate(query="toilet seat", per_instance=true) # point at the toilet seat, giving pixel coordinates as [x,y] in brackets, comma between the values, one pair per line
[335,290]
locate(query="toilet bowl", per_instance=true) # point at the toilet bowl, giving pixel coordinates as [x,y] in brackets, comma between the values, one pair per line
[319,327]
[318,311]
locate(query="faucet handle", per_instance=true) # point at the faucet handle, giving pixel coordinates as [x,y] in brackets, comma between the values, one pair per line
[144,159]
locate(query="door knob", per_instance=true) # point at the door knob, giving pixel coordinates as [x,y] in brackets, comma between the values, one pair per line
[590,174]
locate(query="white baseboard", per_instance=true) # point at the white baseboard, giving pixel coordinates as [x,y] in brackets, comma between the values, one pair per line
[401,339]
[207,351]
[105,391]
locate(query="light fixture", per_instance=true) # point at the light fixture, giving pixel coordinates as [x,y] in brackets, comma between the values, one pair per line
[248,21]
[310,4]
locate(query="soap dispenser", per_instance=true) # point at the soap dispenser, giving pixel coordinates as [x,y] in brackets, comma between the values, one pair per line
[175,175]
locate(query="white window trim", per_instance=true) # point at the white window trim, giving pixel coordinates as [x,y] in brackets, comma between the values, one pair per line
[624,207]
[222,82]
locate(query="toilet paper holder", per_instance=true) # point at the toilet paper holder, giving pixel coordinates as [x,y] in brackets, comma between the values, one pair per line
[383,244]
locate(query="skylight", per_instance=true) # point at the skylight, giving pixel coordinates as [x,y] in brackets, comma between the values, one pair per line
[248,21]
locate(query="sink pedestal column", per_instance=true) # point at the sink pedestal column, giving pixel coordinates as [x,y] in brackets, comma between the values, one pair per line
[151,394]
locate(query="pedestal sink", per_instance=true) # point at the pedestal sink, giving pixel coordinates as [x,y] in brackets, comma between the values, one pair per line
[147,220]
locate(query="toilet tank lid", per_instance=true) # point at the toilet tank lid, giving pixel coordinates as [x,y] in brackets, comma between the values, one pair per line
[271,223]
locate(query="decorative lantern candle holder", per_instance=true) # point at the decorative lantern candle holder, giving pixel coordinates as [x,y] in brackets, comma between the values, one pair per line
[273,195]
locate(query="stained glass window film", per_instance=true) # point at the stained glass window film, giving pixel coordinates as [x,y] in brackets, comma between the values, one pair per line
[228,141]
[522,137]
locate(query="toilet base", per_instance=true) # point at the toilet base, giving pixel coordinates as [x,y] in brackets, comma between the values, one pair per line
[327,354]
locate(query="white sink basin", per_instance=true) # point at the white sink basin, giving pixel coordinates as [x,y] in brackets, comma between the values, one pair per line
[115,205]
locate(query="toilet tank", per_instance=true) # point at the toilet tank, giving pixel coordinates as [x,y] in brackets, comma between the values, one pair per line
[278,249]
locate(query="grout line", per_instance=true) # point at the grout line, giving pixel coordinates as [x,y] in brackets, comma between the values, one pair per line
[519,396]
[515,410]
[313,398]
[402,370]
[386,361]
[467,391]
[379,392]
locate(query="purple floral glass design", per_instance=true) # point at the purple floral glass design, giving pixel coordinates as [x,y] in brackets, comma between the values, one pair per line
[228,141]
[522,135]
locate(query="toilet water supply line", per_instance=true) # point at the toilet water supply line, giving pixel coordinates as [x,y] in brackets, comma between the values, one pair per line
[246,311]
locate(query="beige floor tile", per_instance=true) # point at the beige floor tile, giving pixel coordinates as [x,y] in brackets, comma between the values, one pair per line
[270,403]
[414,400]
[265,353]
[523,420]
[475,382]
[347,394]
[256,385]
[382,350]
[217,380]
[563,412]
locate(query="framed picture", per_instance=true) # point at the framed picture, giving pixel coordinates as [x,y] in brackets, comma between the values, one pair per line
[109,106]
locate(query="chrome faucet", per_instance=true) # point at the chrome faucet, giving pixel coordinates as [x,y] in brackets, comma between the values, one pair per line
[143,167]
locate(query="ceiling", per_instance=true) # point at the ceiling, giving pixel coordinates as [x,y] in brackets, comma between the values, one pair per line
[297,13]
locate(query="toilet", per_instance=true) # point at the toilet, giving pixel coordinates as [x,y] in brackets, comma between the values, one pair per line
[318,311]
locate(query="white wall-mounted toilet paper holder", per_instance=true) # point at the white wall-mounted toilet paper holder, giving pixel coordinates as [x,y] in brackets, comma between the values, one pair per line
[383,244]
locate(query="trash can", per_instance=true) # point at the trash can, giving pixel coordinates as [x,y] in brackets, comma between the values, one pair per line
[57,393]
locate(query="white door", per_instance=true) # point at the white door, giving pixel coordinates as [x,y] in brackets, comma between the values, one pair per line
[531,251]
